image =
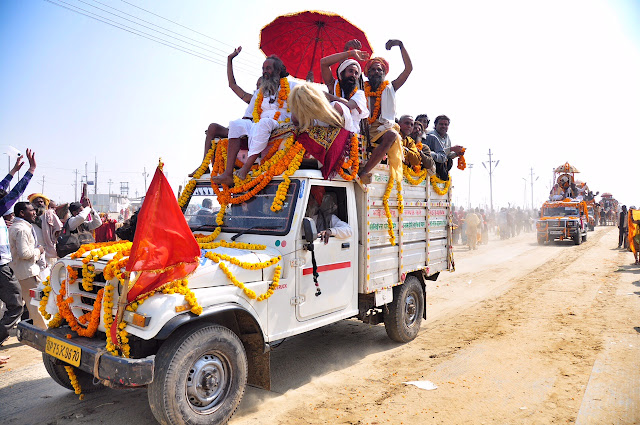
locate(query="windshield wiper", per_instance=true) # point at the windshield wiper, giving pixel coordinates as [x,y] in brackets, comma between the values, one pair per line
[242,232]
[203,226]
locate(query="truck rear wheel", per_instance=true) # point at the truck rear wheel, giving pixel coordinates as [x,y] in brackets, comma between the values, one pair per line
[59,374]
[402,321]
[200,376]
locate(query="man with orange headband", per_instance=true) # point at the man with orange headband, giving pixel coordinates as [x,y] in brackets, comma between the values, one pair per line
[384,133]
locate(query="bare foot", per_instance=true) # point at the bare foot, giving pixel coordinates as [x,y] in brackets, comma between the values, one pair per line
[223,179]
[365,178]
[242,174]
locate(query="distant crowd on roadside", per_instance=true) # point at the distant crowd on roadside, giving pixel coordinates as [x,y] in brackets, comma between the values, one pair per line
[472,226]
[629,231]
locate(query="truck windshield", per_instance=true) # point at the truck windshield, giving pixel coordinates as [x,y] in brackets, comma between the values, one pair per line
[253,216]
[560,212]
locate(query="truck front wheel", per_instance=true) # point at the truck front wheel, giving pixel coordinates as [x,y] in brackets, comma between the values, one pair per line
[577,238]
[404,315]
[200,376]
[58,373]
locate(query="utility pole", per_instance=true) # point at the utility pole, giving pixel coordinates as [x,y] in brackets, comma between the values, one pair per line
[491,167]
[524,201]
[145,175]
[95,181]
[110,183]
[532,180]
[469,166]
[75,196]
[42,188]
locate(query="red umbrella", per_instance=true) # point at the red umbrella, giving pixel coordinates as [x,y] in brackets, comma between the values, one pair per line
[302,39]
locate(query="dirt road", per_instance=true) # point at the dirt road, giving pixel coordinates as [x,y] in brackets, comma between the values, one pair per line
[520,333]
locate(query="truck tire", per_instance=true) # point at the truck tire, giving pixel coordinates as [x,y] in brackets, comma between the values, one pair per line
[199,377]
[59,374]
[577,239]
[402,321]
[584,237]
[541,240]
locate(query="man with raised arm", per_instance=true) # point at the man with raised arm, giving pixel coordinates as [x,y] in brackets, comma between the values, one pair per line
[384,133]
[345,90]
[269,109]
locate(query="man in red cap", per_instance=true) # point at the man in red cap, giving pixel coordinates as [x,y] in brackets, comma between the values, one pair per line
[384,133]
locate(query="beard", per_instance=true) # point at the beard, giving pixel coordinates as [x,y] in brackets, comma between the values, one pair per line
[347,85]
[270,84]
[375,81]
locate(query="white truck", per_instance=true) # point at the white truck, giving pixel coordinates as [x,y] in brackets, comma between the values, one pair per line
[196,367]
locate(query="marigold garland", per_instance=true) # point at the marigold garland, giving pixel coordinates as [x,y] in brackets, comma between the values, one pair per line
[387,211]
[414,177]
[74,381]
[435,180]
[283,95]
[378,96]
[186,193]
[353,162]
[339,91]
[45,298]
[462,164]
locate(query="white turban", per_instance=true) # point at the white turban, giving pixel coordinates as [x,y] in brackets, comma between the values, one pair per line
[348,63]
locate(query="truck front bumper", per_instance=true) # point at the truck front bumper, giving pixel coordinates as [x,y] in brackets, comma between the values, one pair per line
[118,370]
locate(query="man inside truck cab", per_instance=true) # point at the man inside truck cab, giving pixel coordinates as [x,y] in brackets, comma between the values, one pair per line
[321,208]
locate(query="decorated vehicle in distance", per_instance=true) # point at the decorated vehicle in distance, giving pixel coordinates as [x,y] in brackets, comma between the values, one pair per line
[609,210]
[199,328]
[593,213]
[561,220]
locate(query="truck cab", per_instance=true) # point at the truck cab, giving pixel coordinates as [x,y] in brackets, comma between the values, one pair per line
[561,220]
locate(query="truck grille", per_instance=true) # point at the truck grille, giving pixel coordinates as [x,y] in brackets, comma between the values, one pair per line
[83,300]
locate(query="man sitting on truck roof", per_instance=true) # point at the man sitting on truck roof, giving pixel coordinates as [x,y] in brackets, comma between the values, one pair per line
[345,89]
[384,133]
[268,107]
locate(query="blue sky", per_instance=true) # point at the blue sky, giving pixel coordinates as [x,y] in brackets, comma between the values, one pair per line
[538,83]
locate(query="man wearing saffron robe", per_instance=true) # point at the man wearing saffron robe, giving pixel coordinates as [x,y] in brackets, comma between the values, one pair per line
[268,107]
[411,154]
[349,95]
[384,133]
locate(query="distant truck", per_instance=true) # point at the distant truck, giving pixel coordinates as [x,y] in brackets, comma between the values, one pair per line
[609,210]
[197,366]
[561,220]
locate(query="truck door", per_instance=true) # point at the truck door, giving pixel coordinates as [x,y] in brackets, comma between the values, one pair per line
[336,260]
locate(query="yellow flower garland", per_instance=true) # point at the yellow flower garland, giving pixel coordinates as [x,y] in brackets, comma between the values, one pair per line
[74,381]
[413,177]
[283,95]
[434,182]
[385,203]
[45,298]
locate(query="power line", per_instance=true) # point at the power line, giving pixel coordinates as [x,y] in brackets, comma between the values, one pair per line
[223,54]
[136,32]
[180,25]
[144,26]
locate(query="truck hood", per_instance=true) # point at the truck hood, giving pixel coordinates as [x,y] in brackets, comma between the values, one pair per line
[209,273]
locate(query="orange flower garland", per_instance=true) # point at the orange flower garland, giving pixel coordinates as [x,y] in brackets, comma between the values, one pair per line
[74,381]
[378,96]
[283,95]
[387,211]
[353,162]
[462,164]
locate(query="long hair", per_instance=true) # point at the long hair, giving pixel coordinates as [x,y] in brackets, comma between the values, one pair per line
[309,103]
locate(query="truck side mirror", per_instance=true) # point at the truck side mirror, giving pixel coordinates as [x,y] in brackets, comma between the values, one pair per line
[309,230]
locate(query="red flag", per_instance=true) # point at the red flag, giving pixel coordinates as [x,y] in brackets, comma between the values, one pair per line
[164,248]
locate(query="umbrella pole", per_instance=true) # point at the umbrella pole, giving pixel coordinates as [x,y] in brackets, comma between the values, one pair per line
[315,48]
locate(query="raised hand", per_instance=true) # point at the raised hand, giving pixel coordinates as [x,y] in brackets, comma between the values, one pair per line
[31,156]
[392,43]
[360,55]
[19,163]
[235,53]
[352,45]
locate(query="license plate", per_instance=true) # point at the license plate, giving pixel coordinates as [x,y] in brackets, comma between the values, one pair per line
[63,351]
[557,232]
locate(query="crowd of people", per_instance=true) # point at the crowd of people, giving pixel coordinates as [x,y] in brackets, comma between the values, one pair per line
[472,227]
[29,239]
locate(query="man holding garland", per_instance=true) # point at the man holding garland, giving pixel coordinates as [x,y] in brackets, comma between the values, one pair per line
[384,133]
[269,109]
[345,91]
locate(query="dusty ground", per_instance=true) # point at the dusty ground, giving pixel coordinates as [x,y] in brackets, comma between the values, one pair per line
[520,333]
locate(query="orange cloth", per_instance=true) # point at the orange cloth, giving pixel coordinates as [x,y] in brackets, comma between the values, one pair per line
[634,229]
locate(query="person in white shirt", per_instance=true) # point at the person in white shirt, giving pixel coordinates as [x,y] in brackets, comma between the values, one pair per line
[83,214]
[327,223]
[269,109]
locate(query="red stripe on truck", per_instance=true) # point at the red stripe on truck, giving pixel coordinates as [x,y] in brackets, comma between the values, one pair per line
[327,267]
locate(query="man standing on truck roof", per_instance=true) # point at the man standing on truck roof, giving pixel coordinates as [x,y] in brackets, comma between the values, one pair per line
[384,133]
[345,89]
[441,150]
[269,109]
